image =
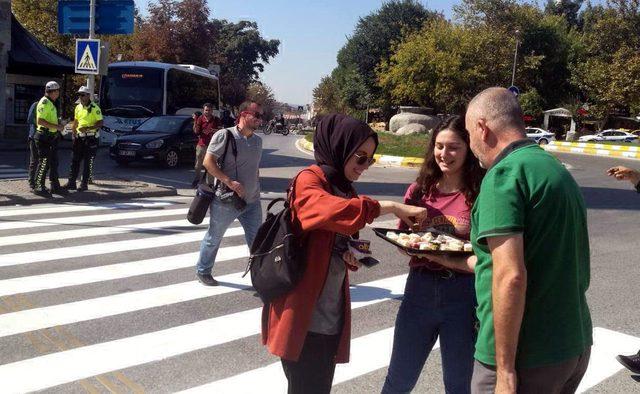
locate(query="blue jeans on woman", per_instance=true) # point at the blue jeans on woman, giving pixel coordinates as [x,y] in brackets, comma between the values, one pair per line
[221,216]
[436,304]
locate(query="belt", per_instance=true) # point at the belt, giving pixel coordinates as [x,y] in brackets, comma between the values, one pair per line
[44,130]
[444,273]
[93,133]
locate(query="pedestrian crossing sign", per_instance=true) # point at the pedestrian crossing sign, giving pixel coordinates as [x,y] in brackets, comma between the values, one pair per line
[87,56]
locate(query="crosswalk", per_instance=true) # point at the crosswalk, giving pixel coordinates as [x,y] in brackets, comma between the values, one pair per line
[8,172]
[102,298]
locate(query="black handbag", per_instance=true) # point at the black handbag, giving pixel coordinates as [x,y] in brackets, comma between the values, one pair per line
[205,193]
[276,262]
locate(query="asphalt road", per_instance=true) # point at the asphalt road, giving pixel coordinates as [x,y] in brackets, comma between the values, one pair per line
[81,323]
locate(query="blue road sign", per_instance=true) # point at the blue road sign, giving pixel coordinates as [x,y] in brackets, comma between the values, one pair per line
[514,90]
[87,56]
[112,16]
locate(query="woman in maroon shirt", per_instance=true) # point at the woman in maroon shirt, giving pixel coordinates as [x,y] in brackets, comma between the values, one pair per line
[309,328]
[439,302]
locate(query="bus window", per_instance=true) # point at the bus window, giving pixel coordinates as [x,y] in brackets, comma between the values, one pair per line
[189,91]
[133,86]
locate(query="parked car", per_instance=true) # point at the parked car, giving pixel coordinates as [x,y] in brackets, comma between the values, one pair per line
[162,139]
[609,135]
[540,136]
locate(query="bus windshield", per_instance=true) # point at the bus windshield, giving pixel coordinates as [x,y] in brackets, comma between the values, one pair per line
[136,91]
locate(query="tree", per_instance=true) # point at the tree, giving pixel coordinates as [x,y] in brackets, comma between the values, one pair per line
[326,97]
[568,9]
[242,53]
[261,93]
[531,103]
[445,64]
[607,67]
[372,42]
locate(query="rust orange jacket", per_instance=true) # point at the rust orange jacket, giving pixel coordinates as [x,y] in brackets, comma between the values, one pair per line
[319,215]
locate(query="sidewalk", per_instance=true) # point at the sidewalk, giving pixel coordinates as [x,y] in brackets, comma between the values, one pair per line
[17,192]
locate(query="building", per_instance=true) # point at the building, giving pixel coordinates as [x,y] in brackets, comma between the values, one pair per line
[25,67]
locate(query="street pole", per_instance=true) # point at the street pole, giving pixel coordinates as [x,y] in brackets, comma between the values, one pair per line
[515,60]
[91,79]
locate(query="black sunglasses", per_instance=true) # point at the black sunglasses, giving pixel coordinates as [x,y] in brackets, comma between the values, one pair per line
[364,159]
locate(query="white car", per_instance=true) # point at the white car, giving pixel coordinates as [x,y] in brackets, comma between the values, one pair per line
[540,136]
[609,135]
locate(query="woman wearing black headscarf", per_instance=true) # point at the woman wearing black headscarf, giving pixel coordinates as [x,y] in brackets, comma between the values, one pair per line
[310,327]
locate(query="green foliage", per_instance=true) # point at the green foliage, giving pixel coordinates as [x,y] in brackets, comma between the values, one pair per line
[372,41]
[531,103]
[444,65]
[326,97]
[607,67]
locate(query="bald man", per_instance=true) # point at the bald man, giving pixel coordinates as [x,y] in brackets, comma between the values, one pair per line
[529,235]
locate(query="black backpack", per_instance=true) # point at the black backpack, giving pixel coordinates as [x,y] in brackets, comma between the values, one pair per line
[277,254]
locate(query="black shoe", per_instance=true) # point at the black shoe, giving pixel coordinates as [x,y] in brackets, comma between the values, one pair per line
[194,184]
[59,191]
[632,363]
[83,188]
[42,192]
[206,279]
[70,186]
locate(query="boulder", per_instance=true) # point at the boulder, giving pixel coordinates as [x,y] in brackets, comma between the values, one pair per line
[411,115]
[412,128]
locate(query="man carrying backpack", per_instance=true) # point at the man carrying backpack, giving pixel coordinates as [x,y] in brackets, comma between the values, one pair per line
[238,191]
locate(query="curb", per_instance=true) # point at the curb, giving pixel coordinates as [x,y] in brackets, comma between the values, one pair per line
[27,198]
[397,161]
[591,149]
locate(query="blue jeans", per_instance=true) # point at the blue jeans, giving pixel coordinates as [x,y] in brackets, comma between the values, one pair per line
[221,217]
[434,306]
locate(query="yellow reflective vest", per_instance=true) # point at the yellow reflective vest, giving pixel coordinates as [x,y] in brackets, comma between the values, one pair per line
[46,110]
[87,117]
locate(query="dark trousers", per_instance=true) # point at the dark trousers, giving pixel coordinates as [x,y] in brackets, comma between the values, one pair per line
[33,161]
[47,146]
[313,372]
[84,150]
[560,378]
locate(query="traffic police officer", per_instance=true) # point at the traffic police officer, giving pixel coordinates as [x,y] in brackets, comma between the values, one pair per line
[86,125]
[46,137]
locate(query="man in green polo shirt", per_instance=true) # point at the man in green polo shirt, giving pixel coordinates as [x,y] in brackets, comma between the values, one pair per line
[47,135]
[529,235]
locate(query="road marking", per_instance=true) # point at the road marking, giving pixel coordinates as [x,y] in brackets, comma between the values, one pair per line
[607,344]
[57,280]
[12,170]
[71,365]
[64,208]
[33,223]
[165,179]
[96,308]
[37,256]
[166,226]
[368,353]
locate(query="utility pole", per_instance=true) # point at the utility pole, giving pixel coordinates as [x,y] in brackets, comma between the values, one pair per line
[515,58]
[91,79]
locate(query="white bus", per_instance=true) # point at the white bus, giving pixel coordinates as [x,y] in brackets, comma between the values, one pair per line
[131,92]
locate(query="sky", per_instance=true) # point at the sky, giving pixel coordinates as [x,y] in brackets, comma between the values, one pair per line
[310,32]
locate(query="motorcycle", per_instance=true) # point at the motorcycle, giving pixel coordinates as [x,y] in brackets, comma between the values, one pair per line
[276,127]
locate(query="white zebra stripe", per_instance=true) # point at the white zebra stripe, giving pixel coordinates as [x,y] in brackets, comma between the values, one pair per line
[70,365]
[37,256]
[96,231]
[34,223]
